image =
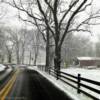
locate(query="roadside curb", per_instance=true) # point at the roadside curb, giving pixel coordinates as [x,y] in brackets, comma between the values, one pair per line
[71,96]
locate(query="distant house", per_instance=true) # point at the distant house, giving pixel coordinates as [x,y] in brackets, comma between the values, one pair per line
[87,61]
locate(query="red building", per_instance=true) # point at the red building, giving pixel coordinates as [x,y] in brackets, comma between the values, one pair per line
[87,61]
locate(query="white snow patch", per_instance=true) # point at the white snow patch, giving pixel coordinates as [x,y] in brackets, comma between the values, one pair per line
[6,73]
[2,67]
[32,67]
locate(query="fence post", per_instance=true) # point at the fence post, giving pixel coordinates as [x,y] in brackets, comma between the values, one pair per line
[58,74]
[78,84]
[49,70]
[42,68]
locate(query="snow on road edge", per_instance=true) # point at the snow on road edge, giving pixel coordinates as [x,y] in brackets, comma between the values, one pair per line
[56,83]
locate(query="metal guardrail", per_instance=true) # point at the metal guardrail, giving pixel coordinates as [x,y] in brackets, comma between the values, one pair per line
[79,81]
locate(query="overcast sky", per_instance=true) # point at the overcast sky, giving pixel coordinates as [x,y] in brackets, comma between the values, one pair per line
[10,18]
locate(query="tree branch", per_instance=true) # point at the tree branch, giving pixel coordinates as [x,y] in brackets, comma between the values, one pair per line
[69,21]
[46,21]
[70,7]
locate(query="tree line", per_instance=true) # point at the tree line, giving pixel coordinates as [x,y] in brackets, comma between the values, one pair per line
[55,20]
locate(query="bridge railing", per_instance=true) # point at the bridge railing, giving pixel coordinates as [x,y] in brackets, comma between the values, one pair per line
[82,85]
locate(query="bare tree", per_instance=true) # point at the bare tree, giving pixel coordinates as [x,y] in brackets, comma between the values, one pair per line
[34,46]
[2,44]
[9,49]
[15,39]
[5,47]
[64,17]
[41,27]
[66,23]
[76,45]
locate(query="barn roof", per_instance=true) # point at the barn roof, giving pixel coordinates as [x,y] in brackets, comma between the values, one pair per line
[88,58]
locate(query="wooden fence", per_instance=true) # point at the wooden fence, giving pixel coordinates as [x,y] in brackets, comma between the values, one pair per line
[77,82]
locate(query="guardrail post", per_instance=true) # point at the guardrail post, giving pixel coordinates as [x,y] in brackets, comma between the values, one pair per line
[78,84]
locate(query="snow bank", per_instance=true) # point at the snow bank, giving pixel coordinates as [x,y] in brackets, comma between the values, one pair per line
[32,67]
[6,73]
[2,67]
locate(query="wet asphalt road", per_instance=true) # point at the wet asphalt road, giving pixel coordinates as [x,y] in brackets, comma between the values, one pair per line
[30,85]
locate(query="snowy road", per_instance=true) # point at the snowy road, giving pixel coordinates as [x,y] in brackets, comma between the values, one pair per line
[30,85]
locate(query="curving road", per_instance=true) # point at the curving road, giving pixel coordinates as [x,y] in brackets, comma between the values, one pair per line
[30,85]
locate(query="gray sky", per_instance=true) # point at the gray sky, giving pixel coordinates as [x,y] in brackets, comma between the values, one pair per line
[10,18]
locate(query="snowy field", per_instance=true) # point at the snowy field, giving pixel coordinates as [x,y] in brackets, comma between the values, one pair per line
[93,74]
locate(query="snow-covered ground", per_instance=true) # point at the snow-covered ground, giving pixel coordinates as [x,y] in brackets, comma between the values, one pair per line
[2,67]
[93,74]
[2,76]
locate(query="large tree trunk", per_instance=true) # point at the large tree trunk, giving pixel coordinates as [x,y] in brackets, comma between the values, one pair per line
[57,60]
[2,59]
[35,57]
[18,61]
[47,50]
[17,56]
[30,57]
[9,58]
[23,54]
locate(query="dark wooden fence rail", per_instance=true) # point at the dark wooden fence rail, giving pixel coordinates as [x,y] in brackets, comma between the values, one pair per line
[76,82]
